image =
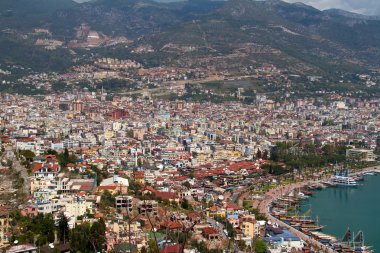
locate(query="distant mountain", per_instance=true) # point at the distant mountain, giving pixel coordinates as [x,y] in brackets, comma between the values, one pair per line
[27,14]
[347,14]
[305,36]
[130,18]
[203,32]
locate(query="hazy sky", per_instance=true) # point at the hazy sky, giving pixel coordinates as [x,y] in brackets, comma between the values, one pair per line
[369,7]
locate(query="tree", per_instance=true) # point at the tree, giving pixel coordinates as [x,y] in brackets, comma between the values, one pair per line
[98,234]
[29,155]
[107,200]
[65,158]
[185,204]
[66,153]
[153,248]
[63,228]
[86,238]
[28,229]
[44,228]
[79,238]
[139,162]
[187,184]
[260,246]
[258,154]
[265,155]
[51,152]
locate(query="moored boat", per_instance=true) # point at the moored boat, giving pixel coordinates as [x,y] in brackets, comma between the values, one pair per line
[344,180]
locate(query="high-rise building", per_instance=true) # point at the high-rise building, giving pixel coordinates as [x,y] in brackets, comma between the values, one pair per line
[78,106]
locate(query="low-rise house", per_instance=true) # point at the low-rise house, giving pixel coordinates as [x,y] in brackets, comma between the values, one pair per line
[120,183]
[148,207]
[210,233]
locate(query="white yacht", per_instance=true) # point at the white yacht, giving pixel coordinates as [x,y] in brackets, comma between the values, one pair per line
[345,179]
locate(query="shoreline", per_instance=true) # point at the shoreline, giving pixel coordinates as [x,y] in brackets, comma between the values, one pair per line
[264,207]
[274,194]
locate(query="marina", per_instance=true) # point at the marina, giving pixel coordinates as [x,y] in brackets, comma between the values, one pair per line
[355,207]
[294,205]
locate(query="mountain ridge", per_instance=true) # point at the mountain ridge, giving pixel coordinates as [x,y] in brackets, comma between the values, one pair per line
[293,34]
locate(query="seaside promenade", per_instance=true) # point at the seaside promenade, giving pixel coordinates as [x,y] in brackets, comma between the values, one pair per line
[264,207]
[375,169]
[272,195]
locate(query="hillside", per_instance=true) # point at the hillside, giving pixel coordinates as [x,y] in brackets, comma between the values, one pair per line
[236,33]
[28,14]
[132,18]
[299,34]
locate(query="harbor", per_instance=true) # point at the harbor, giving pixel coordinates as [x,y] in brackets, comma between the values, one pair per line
[291,206]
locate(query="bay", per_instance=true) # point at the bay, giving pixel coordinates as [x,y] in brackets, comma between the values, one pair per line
[355,207]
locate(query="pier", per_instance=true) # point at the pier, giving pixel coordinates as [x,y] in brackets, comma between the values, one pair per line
[272,195]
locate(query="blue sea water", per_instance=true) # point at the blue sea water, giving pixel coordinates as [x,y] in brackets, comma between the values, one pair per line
[355,207]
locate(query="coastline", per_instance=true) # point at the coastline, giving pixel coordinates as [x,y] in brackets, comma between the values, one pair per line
[271,196]
[264,207]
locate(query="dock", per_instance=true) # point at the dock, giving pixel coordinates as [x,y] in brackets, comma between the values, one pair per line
[264,208]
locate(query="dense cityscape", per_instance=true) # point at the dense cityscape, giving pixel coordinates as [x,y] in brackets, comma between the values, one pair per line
[173,175]
[139,126]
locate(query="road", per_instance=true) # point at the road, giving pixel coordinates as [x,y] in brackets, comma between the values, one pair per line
[273,194]
[220,227]
[9,154]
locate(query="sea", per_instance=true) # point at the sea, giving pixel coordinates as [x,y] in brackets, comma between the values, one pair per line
[357,208]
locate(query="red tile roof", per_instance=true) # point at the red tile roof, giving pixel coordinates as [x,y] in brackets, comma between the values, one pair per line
[165,195]
[209,231]
[177,248]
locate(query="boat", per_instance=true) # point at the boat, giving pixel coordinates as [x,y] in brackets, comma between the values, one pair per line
[344,180]
[303,219]
[311,227]
[323,238]
[316,186]
[356,244]
[278,211]
[328,183]
[309,193]
[285,218]
[359,178]
[302,195]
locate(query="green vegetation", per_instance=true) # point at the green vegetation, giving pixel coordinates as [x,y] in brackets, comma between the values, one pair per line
[297,156]
[25,14]
[248,206]
[276,33]
[274,169]
[260,246]
[84,238]
[107,200]
[65,158]
[63,228]
[88,238]
[186,205]
[27,154]
[19,51]
[26,229]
